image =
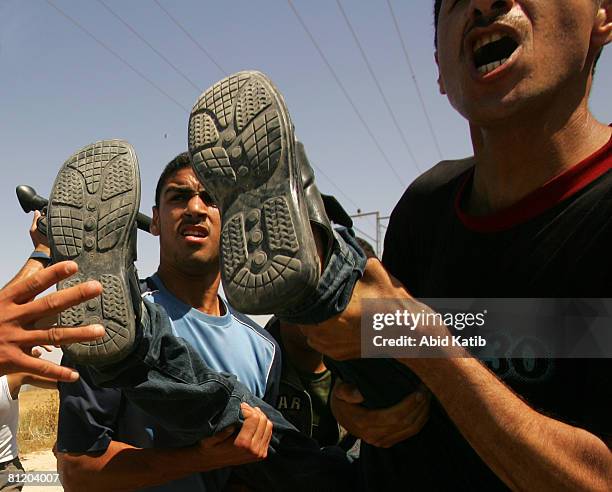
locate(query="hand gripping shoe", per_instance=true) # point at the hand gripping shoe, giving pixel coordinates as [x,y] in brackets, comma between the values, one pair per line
[242,147]
[91,220]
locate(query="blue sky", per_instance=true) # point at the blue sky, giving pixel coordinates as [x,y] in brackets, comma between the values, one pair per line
[60,90]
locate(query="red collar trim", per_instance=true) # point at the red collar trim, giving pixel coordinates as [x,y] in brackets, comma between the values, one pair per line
[548,195]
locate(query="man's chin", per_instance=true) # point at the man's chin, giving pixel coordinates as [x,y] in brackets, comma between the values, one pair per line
[494,113]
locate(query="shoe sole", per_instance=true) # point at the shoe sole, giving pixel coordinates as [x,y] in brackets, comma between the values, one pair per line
[92,209]
[241,144]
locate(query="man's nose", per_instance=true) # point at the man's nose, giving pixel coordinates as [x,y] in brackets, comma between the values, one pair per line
[196,206]
[485,11]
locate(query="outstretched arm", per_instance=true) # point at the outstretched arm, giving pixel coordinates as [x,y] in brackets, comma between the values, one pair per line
[527,450]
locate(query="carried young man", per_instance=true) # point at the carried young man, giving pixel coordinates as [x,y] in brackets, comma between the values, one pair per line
[105,441]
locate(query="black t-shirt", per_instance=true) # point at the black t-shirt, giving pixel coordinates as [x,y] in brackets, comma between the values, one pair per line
[557,242]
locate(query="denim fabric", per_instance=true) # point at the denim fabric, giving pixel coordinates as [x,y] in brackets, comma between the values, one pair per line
[171,383]
[344,268]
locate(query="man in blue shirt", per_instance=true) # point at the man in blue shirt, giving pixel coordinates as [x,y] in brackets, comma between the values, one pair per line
[105,442]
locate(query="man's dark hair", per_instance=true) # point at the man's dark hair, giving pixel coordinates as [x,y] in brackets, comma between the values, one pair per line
[181,161]
[366,247]
[437,5]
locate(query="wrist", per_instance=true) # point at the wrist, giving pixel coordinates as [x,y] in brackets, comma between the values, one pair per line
[43,248]
[41,255]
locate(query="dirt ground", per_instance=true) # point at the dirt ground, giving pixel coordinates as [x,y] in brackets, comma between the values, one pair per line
[38,427]
[40,461]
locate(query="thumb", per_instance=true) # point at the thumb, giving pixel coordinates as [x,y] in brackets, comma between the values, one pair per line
[348,392]
[247,410]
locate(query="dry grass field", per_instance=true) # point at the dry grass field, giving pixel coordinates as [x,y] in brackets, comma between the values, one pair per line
[37,420]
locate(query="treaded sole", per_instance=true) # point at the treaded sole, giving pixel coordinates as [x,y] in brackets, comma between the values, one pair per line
[92,209]
[241,143]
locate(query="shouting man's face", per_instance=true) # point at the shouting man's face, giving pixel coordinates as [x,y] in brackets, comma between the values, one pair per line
[188,224]
[507,57]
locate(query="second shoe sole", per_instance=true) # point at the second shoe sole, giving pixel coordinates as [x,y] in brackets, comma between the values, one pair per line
[92,209]
[241,143]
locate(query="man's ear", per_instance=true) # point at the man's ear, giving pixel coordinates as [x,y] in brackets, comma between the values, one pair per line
[154,229]
[602,28]
[440,81]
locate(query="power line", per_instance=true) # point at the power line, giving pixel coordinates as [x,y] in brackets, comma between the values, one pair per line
[378,86]
[155,50]
[414,80]
[186,32]
[348,198]
[344,91]
[364,233]
[117,55]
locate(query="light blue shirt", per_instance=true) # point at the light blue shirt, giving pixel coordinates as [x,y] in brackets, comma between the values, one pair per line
[225,343]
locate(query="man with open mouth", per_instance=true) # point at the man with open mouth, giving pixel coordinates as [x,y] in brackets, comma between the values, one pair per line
[527,216]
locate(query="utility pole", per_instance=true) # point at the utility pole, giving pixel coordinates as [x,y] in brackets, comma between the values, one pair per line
[379,219]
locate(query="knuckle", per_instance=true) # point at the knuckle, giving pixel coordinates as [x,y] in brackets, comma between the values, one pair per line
[51,302]
[55,335]
[34,284]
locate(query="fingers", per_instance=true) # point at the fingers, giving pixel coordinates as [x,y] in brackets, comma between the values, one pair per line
[30,287]
[255,433]
[259,443]
[399,422]
[353,417]
[60,336]
[421,416]
[40,349]
[266,438]
[41,382]
[36,352]
[347,392]
[245,436]
[45,369]
[34,227]
[57,302]
[404,409]
[384,427]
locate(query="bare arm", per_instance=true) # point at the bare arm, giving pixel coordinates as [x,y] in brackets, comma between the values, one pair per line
[123,467]
[526,449]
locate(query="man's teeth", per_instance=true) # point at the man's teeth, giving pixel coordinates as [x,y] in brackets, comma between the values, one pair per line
[193,233]
[491,38]
[491,66]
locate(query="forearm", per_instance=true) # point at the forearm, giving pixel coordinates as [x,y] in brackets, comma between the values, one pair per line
[124,468]
[526,449]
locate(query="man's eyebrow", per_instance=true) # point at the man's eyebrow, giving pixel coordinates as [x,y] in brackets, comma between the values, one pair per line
[178,188]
